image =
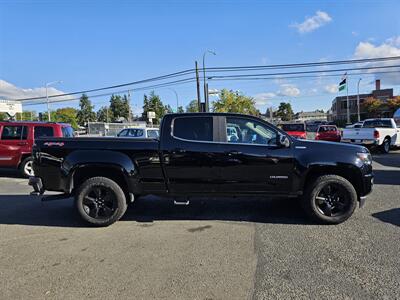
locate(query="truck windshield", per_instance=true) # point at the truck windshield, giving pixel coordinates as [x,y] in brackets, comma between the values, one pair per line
[377,124]
[293,127]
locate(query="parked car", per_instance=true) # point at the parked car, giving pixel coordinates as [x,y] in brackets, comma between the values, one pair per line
[328,133]
[139,133]
[17,138]
[297,130]
[381,133]
[192,157]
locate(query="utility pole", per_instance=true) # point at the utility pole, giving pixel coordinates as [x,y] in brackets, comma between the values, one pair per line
[204,78]
[198,86]
[358,100]
[129,104]
[347,101]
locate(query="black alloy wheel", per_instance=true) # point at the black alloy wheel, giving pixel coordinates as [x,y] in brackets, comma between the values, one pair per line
[100,202]
[330,199]
[333,200]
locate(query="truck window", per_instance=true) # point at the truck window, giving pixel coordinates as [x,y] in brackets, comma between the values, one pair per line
[377,124]
[242,130]
[293,127]
[135,132]
[193,128]
[43,131]
[14,133]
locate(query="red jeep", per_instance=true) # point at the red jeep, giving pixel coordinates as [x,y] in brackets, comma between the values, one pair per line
[17,138]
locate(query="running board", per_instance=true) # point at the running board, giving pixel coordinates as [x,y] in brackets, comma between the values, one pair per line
[55,197]
[181,202]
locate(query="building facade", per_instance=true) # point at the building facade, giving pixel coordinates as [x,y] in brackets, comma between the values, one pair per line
[316,115]
[339,104]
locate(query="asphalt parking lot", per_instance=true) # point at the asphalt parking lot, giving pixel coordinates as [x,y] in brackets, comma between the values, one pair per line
[211,249]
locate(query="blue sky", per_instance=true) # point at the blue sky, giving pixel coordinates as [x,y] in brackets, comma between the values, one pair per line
[90,44]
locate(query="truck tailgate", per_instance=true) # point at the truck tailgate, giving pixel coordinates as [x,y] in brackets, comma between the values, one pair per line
[358,133]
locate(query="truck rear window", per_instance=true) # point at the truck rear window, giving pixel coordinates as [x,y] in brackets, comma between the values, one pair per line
[377,124]
[193,128]
[293,127]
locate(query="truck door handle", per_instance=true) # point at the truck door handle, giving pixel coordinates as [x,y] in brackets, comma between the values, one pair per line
[233,153]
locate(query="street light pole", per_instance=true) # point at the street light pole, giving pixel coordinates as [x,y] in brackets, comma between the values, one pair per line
[358,99]
[177,99]
[204,78]
[47,97]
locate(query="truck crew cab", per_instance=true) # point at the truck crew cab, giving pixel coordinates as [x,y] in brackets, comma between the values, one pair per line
[195,155]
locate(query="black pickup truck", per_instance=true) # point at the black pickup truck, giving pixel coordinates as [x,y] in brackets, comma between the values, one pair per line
[207,154]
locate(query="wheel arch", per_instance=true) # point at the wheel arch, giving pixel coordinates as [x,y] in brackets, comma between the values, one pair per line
[349,172]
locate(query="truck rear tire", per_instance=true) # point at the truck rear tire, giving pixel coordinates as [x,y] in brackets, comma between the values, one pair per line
[385,147]
[100,201]
[330,199]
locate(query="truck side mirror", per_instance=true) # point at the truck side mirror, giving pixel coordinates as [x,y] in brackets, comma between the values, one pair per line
[283,141]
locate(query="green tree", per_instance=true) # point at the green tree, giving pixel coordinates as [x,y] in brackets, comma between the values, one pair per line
[3,116]
[86,113]
[102,114]
[285,111]
[192,107]
[235,102]
[153,103]
[372,106]
[119,108]
[180,110]
[394,104]
[63,115]
[26,116]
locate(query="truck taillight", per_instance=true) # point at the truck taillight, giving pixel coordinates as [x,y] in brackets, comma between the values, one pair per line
[376,134]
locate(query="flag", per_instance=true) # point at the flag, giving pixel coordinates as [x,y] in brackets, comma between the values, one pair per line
[342,84]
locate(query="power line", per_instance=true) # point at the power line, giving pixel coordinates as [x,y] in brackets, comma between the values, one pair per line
[172,83]
[302,72]
[232,68]
[303,76]
[302,65]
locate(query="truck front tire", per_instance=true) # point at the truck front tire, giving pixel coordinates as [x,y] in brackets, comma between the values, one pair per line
[330,199]
[100,201]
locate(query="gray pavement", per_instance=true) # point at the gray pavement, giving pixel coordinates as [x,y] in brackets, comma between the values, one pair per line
[212,249]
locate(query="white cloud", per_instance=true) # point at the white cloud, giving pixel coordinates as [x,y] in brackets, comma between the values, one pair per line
[310,24]
[391,47]
[289,90]
[264,98]
[331,88]
[10,91]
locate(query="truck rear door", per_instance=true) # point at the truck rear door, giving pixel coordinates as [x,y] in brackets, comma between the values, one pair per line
[190,154]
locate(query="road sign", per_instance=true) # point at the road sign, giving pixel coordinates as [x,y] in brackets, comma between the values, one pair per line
[10,107]
[151,115]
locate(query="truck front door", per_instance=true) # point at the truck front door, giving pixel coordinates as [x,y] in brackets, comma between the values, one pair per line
[253,162]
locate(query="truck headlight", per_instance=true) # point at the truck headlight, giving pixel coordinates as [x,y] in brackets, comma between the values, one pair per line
[366,158]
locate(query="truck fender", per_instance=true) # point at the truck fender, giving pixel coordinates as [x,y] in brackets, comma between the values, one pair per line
[97,158]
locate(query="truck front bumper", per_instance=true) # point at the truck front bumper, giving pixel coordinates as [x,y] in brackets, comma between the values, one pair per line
[36,183]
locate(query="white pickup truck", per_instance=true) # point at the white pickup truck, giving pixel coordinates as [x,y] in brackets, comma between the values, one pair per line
[383,133]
